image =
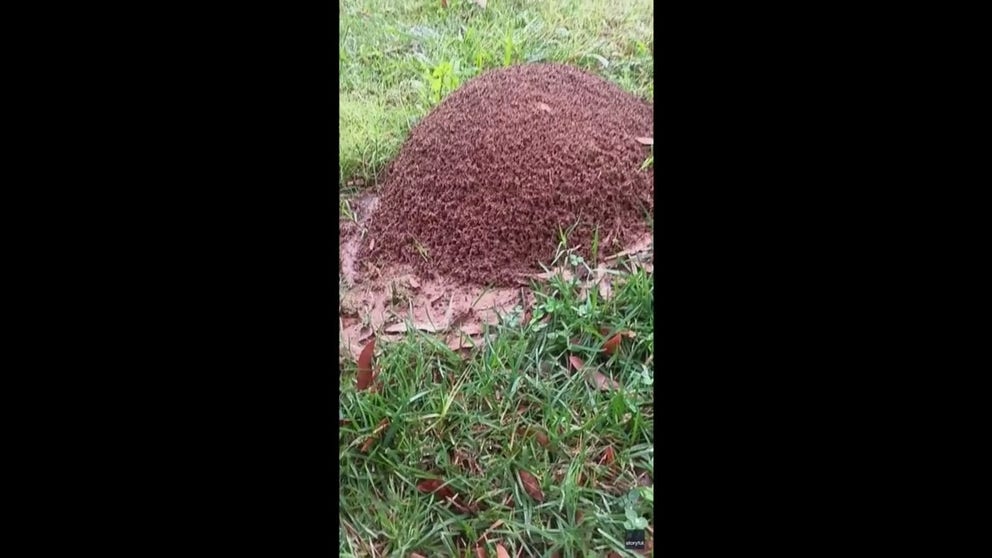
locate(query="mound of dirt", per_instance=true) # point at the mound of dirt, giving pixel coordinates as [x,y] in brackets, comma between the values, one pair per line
[485,183]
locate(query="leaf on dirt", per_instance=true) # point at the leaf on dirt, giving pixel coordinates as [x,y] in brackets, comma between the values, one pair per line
[576,363]
[402,328]
[501,551]
[531,486]
[603,382]
[365,366]
[435,486]
[609,456]
[645,141]
[542,438]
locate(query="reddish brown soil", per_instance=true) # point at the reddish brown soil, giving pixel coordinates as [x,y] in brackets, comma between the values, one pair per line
[481,188]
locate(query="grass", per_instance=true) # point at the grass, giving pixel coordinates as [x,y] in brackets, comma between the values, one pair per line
[473,422]
[518,404]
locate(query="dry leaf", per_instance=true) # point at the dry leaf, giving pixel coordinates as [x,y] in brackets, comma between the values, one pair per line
[531,486]
[603,382]
[365,366]
[480,3]
[416,555]
[480,551]
[612,344]
[645,141]
[402,328]
[544,107]
[368,444]
[542,438]
[435,486]
[609,456]
[576,362]
[501,552]
[383,424]
[444,3]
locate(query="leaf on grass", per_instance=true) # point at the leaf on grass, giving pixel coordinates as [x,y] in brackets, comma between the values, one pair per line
[542,438]
[611,344]
[576,362]
[603,382]
[435,486]
[501,551]
[480,551]
[416,555]
[609,456]
[444,4]
[645,141]
[383,424]
[531,486]
[479,3]
[365,366]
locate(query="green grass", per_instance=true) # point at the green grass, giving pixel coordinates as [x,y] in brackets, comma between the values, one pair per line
[474,421]
[399,58]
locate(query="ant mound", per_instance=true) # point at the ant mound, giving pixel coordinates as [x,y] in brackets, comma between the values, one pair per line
[488,182]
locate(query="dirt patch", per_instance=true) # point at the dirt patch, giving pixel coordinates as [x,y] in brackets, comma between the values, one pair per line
[482,188]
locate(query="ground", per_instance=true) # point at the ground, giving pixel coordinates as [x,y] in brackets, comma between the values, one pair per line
[541,441]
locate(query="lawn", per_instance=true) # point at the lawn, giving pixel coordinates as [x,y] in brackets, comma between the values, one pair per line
[542,441]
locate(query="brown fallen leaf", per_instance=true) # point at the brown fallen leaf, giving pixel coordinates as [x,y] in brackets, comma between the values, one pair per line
[480,551]
[501,551]
[611,345]
[542,438]
[435,486]
[403,328]
[531,486]
[444,3]
[609,456]
[383,424]
[576,362]
[603,382]
[365,366]
[645,141]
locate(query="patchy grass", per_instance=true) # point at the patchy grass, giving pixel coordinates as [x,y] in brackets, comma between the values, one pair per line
[399,58]
[519,404]
[475,422]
